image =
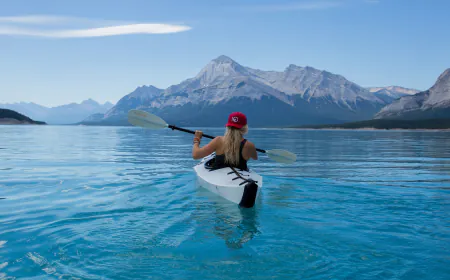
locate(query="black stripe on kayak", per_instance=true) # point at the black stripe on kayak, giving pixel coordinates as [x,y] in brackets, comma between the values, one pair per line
[249,195]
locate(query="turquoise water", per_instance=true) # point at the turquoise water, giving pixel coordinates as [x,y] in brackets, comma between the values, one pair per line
[122,203]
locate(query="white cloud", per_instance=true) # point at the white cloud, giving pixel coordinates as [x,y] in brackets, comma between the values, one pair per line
[82,27]
[312,5]
[96,32]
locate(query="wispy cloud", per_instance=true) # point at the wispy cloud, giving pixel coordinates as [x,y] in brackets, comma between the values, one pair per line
[49,20]
[81,27]
[372,1]
[296,6]
[33,19]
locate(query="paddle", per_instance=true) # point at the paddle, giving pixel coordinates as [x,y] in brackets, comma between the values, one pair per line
[147,120]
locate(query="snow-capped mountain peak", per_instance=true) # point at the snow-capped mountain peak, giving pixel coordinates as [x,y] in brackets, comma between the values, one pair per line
[145,92]
[394,91]
[218,70]
[223,59]
[141,95]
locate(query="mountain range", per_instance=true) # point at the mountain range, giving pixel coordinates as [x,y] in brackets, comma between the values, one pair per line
[64,114]
[431,104]
[391,93]
[295,96]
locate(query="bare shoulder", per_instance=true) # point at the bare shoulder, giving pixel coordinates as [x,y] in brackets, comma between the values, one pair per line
[218,141]
[250,143]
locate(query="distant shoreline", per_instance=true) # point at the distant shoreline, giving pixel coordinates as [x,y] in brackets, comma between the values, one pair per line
[388,124]
[380,129]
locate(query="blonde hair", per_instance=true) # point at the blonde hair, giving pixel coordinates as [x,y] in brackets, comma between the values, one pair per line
[232,143]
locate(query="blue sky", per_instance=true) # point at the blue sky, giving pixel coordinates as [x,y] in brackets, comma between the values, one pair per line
[370,42]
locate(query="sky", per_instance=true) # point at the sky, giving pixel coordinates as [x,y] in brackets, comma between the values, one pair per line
[55,52]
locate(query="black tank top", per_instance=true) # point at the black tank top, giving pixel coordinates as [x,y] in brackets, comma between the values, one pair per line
[220,159]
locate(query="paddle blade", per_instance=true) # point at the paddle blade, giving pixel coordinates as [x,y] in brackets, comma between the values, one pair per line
[282,156]
[145,119]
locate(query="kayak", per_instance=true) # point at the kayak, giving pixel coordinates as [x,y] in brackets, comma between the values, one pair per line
[238,186]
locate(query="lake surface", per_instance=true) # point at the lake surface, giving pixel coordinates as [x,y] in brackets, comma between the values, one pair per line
[122,203]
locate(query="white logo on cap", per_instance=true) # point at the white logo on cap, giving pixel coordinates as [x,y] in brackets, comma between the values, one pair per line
[235,119]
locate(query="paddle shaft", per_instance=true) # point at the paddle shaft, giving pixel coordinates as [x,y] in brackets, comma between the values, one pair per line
[204,135]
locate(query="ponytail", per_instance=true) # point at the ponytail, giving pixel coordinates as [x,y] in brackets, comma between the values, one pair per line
[232,143]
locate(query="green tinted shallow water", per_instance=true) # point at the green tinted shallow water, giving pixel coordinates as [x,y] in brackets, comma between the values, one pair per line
[122,203]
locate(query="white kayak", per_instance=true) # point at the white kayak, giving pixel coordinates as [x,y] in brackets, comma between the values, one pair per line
[238,186]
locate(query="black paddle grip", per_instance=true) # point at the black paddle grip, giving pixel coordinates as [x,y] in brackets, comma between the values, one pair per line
[188,131]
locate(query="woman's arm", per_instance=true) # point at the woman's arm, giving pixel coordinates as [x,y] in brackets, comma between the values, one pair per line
[197,152]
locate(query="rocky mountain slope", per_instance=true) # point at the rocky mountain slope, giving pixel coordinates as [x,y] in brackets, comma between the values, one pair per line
[433,103]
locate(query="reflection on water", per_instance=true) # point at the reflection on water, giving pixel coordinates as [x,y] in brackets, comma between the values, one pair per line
[232,223]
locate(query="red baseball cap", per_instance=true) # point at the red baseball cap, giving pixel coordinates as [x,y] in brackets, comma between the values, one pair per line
[237,119]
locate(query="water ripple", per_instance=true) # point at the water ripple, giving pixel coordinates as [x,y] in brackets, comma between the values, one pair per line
[122,203]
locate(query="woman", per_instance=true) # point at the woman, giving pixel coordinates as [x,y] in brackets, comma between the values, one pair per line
[231,149]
